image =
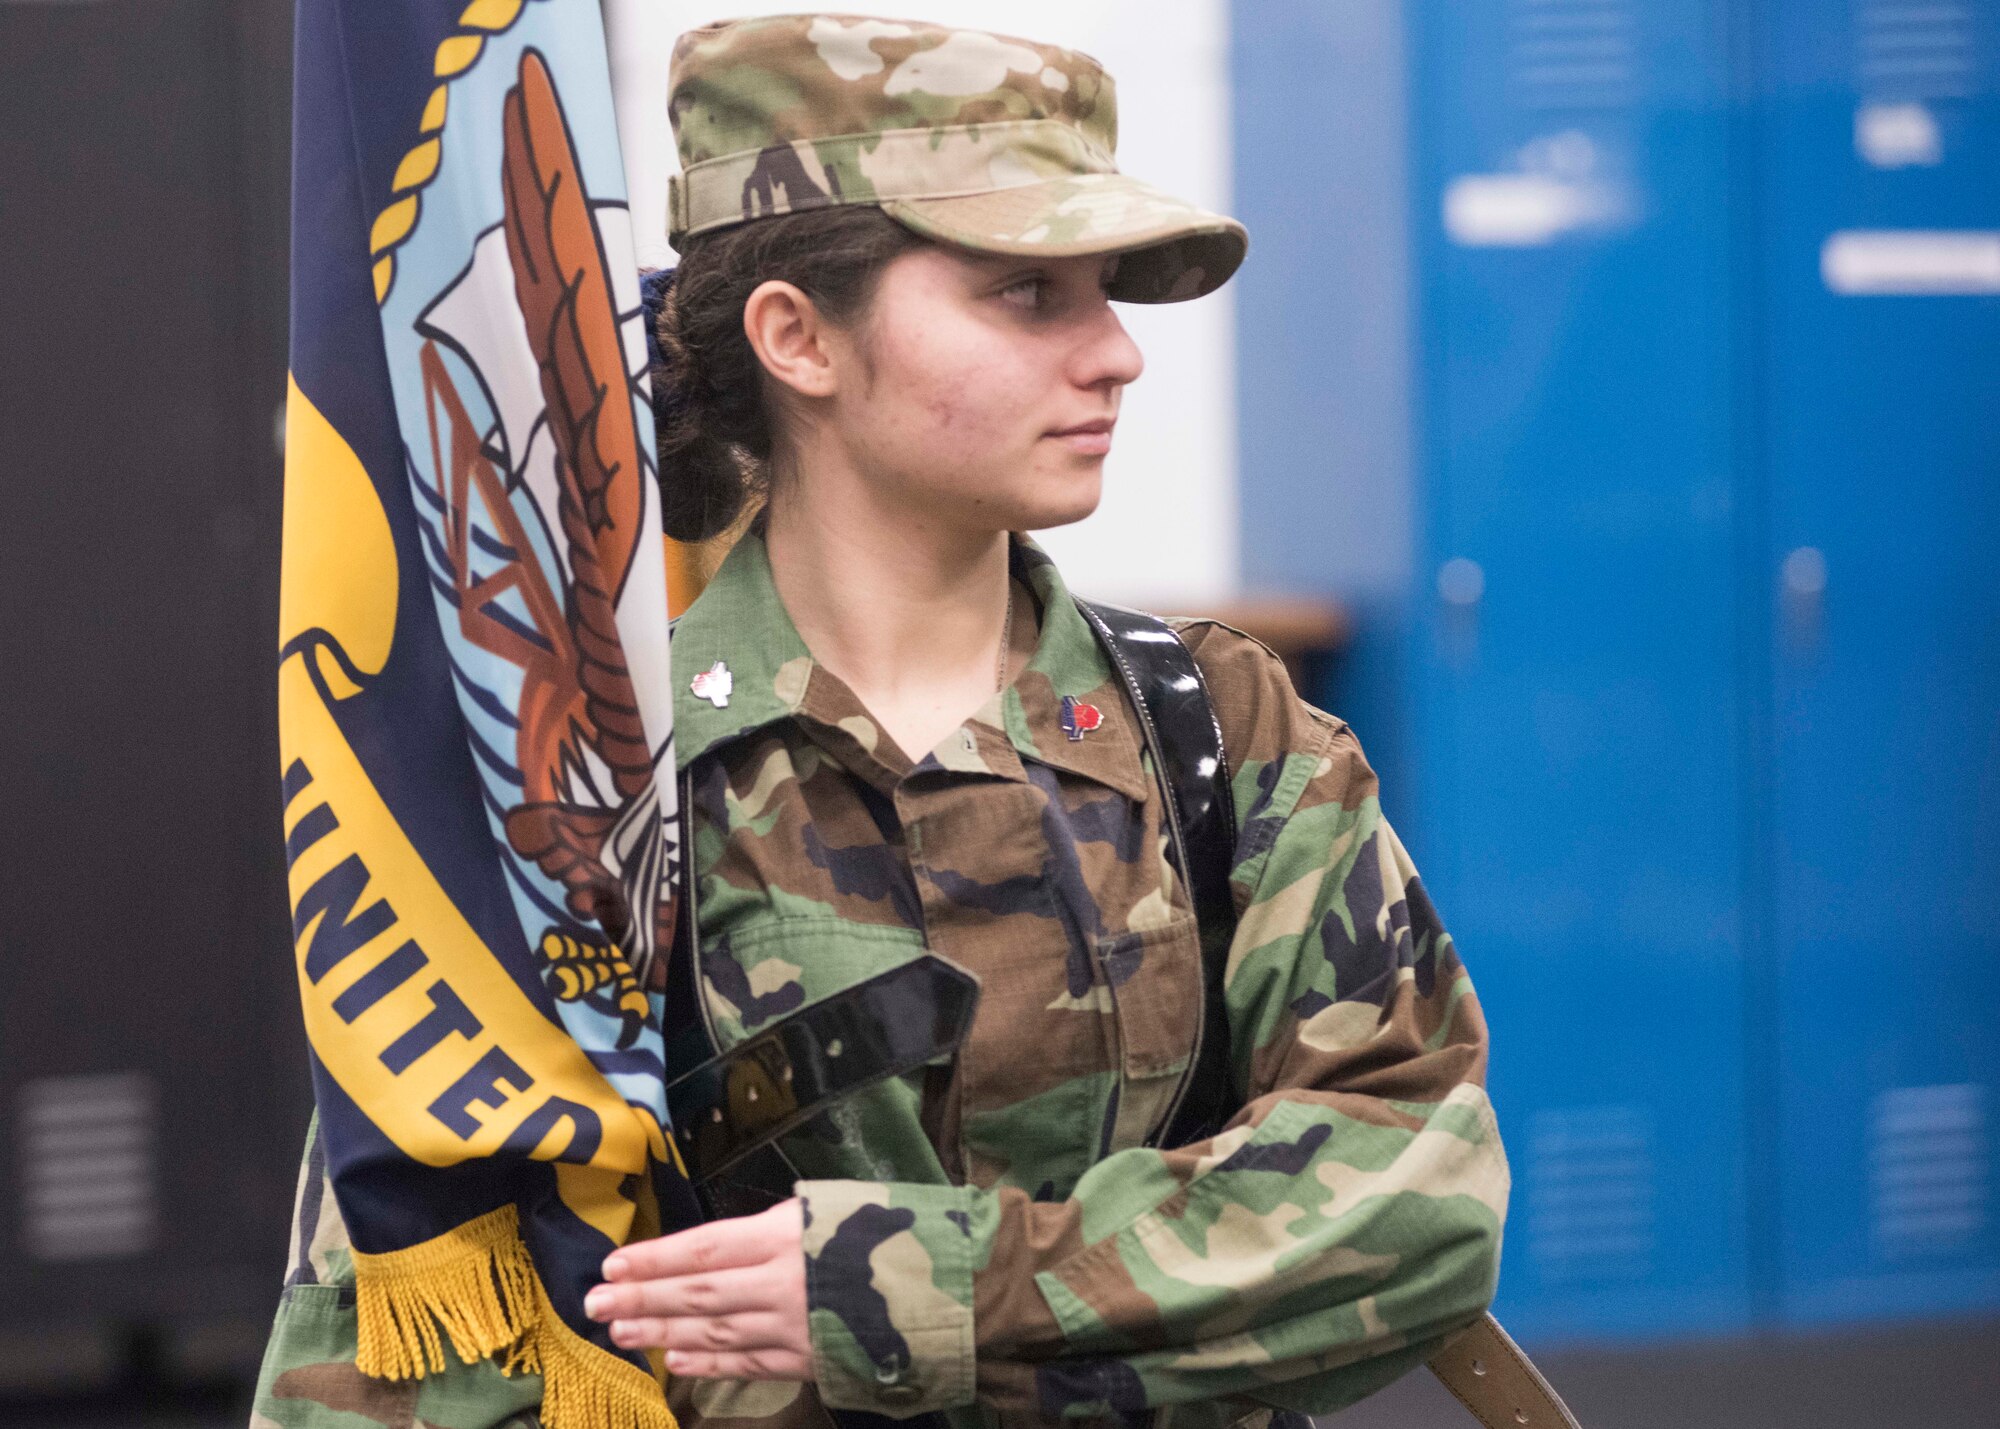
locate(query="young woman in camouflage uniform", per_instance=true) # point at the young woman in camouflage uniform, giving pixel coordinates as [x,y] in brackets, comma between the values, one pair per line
[892,325]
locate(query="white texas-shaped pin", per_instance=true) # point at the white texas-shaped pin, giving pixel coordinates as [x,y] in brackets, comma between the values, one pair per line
[714,684]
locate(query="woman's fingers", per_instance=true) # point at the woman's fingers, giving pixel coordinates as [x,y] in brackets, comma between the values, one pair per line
[723,1334]
[720,1292]
[719,1245]
[686,1355]
[753,1364]
[726,1300]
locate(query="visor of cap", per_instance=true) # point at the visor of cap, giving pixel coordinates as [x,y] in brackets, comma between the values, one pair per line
[1172,250]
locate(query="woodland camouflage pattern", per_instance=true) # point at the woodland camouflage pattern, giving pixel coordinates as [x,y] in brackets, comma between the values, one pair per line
[992,1238]
[978,140]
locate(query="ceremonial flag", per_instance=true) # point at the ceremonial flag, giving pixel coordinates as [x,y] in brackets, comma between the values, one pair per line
[475,703]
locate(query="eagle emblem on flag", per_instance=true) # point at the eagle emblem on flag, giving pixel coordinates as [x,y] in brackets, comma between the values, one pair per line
[537,509]
[475,695]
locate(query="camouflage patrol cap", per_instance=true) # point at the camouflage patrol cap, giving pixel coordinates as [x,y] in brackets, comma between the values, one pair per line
[971,139]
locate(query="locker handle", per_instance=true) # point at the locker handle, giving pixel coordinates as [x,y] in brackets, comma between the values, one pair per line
[1461,586]
[1802,579]
[1804,573]
[1461,582]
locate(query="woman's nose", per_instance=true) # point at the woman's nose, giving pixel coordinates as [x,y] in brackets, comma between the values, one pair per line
[1107,356]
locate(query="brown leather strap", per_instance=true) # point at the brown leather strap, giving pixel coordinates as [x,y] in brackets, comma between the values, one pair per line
[1501,1386]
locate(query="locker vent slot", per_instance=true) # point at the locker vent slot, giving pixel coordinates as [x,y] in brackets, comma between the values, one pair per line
[85,1148]
[1571,54]
[1927,1170]
[1911,51]
[1590,1184]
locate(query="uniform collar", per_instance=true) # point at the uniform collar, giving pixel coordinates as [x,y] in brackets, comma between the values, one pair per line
[1069,661]
[739,622]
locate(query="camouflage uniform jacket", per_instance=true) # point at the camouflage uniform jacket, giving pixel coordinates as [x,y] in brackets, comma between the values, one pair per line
[994,1239]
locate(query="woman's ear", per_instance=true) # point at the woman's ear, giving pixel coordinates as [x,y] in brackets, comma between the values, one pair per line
[789,336]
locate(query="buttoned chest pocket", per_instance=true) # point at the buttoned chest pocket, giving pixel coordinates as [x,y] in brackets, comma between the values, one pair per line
[756,971]
[1155,981]
[764,970]
[1078,1049]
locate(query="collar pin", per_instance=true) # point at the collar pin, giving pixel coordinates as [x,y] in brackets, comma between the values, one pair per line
[714,684]
[1078,718]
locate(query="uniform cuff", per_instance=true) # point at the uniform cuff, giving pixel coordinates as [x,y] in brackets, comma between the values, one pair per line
[889,1294]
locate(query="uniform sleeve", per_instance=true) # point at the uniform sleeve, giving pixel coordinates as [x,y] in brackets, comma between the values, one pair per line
[308,1379]
[1327,1240]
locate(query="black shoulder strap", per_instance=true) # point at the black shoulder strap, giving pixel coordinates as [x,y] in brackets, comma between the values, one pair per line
[1177,720]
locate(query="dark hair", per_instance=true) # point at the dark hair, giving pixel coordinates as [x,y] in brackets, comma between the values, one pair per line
[708,386]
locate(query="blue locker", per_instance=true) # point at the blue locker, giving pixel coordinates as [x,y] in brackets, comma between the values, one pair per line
[1691,674]
[1880,378]
[1576,706]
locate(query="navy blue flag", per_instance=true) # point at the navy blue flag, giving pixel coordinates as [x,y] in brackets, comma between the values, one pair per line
[475,700]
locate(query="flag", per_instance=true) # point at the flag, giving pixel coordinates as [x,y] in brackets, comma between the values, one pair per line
[475,705]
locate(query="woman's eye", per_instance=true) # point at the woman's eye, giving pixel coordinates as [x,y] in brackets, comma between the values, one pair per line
[1026,292]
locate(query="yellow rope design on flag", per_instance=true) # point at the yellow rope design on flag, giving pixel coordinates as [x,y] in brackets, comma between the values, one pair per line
[456,54]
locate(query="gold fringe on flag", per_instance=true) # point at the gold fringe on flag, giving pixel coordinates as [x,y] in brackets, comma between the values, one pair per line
[475,1282]
[478,1286]
[585,1388]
